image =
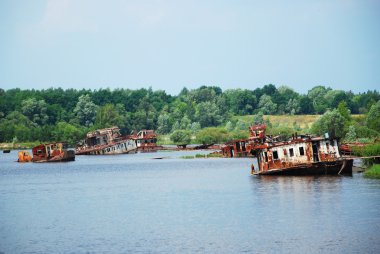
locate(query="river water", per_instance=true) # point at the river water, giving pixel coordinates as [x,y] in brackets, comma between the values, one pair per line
[135,204]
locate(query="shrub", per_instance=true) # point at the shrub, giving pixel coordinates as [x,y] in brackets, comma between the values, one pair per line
[373,172]
[181,137]
[213,135]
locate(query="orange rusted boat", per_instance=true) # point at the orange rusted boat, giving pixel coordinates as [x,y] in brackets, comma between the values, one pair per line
[24,156]
[53,152]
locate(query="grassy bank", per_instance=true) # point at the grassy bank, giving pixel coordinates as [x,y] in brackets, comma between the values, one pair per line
[373,172]
[304,121]
[23,145]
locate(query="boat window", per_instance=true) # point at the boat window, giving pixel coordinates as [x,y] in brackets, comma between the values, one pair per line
[266,156]
[327,146]
[275,155]
[291,152]
[302,151]
[331,142]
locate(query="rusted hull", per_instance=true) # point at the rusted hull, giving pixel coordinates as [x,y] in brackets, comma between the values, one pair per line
[339,167]
[149,149]
[126,146]
[65,156]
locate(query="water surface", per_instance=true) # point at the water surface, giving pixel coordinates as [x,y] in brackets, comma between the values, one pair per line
[133,203]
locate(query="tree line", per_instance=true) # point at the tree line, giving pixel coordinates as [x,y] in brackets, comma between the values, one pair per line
[58,114]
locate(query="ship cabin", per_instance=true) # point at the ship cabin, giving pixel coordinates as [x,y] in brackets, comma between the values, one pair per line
[298,152]
[146,138]
[52,152]
[103,137]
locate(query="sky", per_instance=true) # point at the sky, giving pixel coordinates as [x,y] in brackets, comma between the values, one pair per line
[169,45]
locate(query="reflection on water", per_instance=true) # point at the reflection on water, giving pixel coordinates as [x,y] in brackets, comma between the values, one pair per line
[132,203]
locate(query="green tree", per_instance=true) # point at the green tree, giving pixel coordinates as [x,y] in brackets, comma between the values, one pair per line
[195,127]
[163,124]
[266,105]
[344,111]
[239,101]
[181,137]
[332,122]
[185,123]
[35,110]
[241,125]
[212,135]
[258,118]
[67,132]
[317,96]
[176,126]
[85,111]
[351,134]
[107,116]
[373,117]
[208,114]
[230,126]
[292,107]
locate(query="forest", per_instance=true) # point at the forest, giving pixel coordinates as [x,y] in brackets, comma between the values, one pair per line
[206,114]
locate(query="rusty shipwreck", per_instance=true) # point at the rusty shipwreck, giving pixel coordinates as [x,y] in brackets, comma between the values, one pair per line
[110,141]
[52,152]
[299,155]
[106,141]
[146,141]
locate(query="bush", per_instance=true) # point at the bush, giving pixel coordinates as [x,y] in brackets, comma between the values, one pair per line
[213,135]
[373,172]
[331,122]
[365,132]
[373,117]
[368,150]
[215,155]
[181,137]
[187,157]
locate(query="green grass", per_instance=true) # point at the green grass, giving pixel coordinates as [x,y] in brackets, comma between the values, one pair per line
[368,150]
[304,121]
[198,155]
[187,157]
[23,145]
[214,155]
[373,172]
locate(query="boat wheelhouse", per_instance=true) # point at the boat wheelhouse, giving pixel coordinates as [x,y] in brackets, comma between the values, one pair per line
[146,140]
[53,152]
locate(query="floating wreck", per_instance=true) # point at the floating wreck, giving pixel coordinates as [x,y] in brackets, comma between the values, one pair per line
[110,141]
[146,141]
[106,141]
[300,155]
[53,152]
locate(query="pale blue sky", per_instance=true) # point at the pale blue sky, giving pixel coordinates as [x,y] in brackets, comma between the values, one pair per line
[171,44]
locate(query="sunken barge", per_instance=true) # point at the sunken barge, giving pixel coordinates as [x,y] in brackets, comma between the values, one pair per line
[105,141]
[300,155]
[53,152]
[110,141]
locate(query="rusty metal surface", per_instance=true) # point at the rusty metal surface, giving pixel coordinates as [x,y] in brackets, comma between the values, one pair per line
[273,153]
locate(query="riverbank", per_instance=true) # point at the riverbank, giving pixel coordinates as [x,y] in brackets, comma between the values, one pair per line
[373,171]
[15,146]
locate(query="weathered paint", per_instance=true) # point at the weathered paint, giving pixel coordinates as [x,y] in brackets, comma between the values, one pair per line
[274,155]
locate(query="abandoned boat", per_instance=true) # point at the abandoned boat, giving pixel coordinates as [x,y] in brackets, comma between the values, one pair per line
[146,141]
[300,155]
[106,141]
[53,152]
